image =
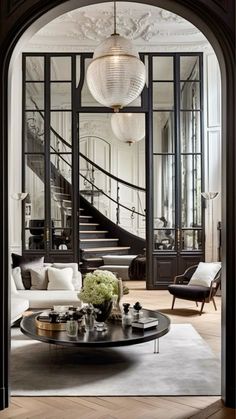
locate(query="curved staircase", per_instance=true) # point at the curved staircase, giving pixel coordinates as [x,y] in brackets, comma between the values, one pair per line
[98,235]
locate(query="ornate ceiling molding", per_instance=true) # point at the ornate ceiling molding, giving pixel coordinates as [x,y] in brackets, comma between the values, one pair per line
[142,24]
[187,47]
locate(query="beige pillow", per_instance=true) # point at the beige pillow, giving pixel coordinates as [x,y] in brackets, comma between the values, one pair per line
[39,279]
[60,279]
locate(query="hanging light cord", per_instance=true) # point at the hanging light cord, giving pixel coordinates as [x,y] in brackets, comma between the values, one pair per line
[114,17]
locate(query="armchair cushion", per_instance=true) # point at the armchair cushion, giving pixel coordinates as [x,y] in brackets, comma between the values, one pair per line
[204,274]
[193,293]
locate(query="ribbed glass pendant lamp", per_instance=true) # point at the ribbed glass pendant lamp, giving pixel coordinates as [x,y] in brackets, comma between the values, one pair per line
[128,127]
[116,75]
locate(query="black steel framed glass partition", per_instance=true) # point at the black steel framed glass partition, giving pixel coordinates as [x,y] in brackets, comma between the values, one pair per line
[177,150]
[55,96]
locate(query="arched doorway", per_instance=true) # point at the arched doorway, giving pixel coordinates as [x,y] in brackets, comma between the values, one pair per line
[218,31]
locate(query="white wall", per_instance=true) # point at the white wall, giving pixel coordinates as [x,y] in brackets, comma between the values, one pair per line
[212,122]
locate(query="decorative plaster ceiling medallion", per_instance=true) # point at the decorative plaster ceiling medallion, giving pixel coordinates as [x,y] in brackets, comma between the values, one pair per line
[144,24]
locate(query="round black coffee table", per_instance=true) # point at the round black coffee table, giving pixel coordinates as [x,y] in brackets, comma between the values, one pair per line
[115,335]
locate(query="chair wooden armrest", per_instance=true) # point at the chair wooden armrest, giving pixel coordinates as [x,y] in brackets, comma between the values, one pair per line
[179,279]
[215,283]
[186,276]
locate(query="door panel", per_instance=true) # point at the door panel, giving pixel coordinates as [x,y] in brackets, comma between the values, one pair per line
[177,144]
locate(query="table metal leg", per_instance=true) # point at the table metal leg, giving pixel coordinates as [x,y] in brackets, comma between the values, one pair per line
[156,346]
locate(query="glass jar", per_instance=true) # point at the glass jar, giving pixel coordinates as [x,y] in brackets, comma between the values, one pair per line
[89,321]
[72,328]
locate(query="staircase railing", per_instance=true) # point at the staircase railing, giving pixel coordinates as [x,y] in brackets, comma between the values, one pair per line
[105,191]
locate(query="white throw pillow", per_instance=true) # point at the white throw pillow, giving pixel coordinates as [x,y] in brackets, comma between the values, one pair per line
[16,273]
[205,273]
[77,277]
[60,279]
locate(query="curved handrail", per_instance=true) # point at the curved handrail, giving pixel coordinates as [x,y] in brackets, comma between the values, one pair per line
[130,185]
[109,197]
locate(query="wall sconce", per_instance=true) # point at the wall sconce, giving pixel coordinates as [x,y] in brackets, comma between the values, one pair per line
[19,196]
[209,196]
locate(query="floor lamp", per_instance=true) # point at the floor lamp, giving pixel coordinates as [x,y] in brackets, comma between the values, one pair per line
[209,196]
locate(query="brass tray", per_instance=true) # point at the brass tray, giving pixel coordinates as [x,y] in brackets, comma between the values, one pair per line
[50,326]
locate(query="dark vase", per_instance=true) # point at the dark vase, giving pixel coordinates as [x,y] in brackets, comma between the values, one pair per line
[105,310]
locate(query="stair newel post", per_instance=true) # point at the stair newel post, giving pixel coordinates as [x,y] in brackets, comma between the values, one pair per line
[117,206]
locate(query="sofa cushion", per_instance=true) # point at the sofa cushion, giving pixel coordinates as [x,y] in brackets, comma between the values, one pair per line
[13,286]
[60,279]
[16,274]
[77,277]
[18,306]
[27,262]
[193,293]
[39,278]
[41,299]
[205,273]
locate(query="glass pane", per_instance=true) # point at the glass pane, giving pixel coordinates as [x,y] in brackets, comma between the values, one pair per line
[189,68]
[61,239]
[190,95]
[34,96]
[61,132]
[164,239]
[192,239]
[34,132]
[162,68]
[34,202]
[163,132]
[61,198]
[164,191]
[77,70]
[190,132]
[60,95]
[34,68]
[86,98]
[163,96]
[61,169]
[61,68]
[191,191]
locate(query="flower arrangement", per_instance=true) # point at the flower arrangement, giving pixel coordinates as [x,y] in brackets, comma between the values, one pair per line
[98,287]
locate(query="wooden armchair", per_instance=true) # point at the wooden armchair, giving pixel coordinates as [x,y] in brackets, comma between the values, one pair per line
[198,293]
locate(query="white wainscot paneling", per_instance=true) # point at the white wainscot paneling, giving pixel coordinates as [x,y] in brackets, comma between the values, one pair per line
[214,160]
[213,91]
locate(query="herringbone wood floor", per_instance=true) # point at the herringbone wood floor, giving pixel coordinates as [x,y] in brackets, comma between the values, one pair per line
[207,325]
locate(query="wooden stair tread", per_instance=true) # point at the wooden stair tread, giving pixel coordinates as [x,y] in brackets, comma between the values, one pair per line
[85,216]
[94,231]
[102,249]
[92,259]
[89,224]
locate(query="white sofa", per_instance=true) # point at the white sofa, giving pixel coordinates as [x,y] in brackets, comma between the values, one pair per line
[22,299]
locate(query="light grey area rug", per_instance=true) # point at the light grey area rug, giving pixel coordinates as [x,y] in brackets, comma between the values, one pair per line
[185,366]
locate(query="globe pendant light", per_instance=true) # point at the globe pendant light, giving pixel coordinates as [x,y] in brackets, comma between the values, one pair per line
[116,75]
[128,127]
